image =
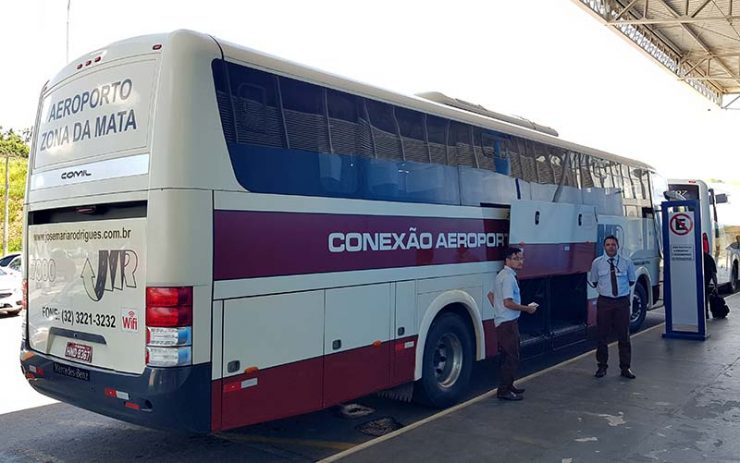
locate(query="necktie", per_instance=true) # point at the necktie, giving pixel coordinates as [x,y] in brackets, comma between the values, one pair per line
[613,276]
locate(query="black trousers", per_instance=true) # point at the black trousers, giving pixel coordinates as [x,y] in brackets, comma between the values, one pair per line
[613,319]
[507,335]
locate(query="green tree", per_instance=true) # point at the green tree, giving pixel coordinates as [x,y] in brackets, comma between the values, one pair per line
[13,144]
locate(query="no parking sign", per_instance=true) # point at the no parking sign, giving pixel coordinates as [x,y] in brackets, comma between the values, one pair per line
[683,270]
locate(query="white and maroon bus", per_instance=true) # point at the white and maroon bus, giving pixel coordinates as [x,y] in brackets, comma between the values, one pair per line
[216,237]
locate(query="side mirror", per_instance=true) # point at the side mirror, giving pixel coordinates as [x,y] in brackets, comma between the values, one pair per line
[721,198]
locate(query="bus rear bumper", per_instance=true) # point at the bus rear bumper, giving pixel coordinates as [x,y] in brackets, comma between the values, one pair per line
[173,399]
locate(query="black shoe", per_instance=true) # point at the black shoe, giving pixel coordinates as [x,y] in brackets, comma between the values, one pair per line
[508,395]
[627,373]
[601,372]
[517,390]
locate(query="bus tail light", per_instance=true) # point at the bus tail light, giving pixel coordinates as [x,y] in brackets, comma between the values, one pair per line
[169,307]
[168,337]
[705,242]
[169,319]
[169,356]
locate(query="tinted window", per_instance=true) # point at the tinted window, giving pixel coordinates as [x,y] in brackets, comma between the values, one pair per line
[689,192]
[304,115]
[342,106]
[411,123]
[254,99]
[437,132]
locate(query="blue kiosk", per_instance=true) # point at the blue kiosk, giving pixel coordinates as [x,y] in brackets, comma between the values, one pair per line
[683,271]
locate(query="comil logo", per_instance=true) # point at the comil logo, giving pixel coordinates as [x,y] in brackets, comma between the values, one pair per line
[116,269]
[75,173]
[129,320]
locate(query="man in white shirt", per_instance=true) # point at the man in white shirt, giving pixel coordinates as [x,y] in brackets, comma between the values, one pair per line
[613,275]
[506,300]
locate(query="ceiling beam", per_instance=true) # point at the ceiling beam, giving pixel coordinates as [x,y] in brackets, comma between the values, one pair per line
[698,10]
[710,78]
[680,20]
[697,55]
[696,38]
[626,9]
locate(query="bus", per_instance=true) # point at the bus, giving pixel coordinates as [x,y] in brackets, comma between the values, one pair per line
[216,237]
[720,229]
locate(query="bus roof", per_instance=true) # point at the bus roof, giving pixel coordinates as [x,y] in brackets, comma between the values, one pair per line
[140,45]
[143,44]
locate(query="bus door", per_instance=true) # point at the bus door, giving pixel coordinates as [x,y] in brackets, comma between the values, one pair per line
[559,245]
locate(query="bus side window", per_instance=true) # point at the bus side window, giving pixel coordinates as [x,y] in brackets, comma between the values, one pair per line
[598,175]
[629,189]
[384,130]
[411,126]
[557,165]
[251,106]
[305,121]
[587,177]
[462,143]
[344,128]
[256,114]
[437,132]
[494,149]
[545,172]
[527,161]
[515,160]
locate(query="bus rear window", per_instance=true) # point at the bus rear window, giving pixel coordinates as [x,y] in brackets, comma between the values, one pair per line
[98,113]
[688,191]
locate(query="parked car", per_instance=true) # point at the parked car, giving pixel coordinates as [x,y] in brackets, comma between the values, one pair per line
[11,294]
[11,261]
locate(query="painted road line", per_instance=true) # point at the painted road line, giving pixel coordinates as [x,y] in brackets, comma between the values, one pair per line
[253,439]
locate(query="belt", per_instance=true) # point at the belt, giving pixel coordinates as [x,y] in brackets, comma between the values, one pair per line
[613,298]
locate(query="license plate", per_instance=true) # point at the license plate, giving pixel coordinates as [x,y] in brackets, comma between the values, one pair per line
[72,372]
[80,352]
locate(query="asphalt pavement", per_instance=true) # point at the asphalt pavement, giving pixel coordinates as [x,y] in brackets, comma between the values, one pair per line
[683,407]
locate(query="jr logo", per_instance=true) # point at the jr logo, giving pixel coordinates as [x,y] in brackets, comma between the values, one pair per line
[116,269]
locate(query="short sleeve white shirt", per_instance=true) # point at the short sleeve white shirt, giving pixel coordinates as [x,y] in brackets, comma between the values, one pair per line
[505,287]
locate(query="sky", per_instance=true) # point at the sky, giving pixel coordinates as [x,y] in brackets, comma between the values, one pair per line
[546,60]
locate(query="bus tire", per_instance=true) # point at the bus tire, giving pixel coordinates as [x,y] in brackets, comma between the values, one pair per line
[638,308]
[447,363]
[734,283]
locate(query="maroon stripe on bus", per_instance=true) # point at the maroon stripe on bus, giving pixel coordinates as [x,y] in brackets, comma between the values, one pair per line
[279,392]
[252,244]
[404,360]
[357,372]
[556,259]
[313,384]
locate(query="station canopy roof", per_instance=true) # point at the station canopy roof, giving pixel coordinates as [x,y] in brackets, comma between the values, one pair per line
[697,40]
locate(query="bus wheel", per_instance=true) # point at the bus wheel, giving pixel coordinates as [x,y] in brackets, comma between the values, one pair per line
[639,307]
[734,283]
[447,363]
